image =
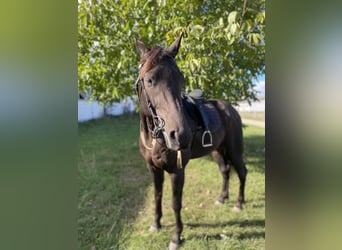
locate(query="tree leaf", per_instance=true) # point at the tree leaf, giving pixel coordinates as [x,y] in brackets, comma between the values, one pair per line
[233,28]
[232,17]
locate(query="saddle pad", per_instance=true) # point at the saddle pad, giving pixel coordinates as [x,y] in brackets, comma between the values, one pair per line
[194,117]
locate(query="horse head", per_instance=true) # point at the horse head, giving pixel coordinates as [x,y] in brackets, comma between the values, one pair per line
[160,94]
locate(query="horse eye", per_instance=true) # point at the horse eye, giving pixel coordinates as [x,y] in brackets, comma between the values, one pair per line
[149,82]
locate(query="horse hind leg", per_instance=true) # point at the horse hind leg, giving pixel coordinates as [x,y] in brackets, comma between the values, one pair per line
[225,171]
[241,170]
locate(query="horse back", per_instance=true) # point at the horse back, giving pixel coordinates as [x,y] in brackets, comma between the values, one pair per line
[232,126]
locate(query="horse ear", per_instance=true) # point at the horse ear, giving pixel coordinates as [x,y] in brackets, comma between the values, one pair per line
[174,47]
[141,47]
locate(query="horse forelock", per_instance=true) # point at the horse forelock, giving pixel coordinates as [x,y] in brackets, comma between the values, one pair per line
[151,59]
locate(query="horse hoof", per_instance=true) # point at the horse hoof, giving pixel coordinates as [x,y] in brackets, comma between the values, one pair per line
[173,246]
[237,208]
[153,228]
[219,202]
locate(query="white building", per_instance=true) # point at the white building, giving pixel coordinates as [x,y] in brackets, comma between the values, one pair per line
[93,110]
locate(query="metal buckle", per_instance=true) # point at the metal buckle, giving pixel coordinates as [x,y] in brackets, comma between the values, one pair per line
[205,133]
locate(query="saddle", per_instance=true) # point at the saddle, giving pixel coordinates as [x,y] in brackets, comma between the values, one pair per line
[202,114]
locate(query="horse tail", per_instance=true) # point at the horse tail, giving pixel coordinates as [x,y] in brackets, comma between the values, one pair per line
[234,134]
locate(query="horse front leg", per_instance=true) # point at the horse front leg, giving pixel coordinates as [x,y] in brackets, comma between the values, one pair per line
[177,182]
[158,180]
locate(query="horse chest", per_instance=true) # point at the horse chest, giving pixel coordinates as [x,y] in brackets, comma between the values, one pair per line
[163,157]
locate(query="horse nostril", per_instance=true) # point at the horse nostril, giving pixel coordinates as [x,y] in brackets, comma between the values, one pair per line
[173,135]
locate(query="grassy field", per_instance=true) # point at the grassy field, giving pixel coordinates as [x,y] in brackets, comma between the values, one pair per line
[116,197]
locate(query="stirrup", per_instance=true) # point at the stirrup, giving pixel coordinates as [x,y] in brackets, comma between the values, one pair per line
[205,133]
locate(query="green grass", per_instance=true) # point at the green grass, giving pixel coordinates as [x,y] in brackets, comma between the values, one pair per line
[116,196]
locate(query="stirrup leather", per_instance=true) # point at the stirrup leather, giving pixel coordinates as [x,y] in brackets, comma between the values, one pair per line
[207,135]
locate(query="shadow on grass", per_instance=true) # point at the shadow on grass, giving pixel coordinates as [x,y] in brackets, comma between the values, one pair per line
[244,223]
[251,229]
[221,236]
[242,236]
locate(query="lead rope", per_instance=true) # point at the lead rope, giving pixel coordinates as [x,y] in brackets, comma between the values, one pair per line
[179,152]
[143,140]
[179,159]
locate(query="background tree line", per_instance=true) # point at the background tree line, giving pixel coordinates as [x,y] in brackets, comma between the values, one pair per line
[222,52]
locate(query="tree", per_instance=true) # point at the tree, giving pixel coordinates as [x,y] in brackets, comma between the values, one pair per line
[222,52]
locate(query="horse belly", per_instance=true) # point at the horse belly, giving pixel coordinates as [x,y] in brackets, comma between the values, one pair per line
[197,150]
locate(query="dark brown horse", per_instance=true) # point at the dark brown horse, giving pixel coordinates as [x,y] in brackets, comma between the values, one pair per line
[167,140]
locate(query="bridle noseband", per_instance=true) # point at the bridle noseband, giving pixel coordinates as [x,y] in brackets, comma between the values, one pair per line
[158,122]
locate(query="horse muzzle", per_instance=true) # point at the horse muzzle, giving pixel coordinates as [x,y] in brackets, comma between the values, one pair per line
[177,139]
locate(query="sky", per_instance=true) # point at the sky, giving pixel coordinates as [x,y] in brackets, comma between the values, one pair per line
[260,85]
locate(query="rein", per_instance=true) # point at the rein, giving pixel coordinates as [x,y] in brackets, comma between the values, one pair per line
[158,122]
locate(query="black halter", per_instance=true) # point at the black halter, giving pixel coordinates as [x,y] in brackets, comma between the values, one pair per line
[158,122]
